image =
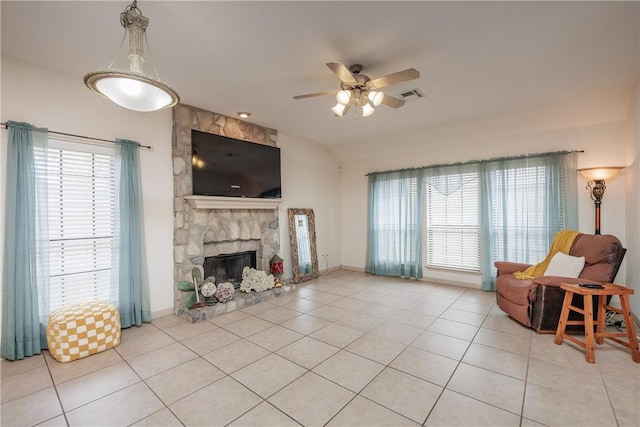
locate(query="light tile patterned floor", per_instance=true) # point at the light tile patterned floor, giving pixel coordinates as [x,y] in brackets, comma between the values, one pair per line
[348,349]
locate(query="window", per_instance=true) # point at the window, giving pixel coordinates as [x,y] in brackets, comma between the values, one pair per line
[81,211]
[507,208]
[451,222]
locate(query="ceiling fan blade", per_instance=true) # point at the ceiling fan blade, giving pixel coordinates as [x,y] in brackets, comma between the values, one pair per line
[342,72]
[392,102]
[392,79]
[309,95]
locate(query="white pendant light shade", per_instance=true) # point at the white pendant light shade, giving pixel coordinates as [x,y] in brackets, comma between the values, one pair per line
[133,89]
[367,110]
[338,109]
[343,97]
[376,97]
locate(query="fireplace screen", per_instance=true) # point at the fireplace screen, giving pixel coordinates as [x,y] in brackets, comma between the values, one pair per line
[228,267]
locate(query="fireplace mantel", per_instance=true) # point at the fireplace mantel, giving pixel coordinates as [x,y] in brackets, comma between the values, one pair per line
[216,202]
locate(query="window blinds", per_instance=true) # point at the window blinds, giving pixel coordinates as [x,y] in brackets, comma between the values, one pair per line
[451,229]
[81,209]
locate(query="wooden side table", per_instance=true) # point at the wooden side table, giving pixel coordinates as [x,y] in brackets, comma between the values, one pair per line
[588,322]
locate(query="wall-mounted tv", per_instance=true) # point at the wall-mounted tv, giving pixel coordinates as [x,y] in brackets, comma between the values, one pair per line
[224,166]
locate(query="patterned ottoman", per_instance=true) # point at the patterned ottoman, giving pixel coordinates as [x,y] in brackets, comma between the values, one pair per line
[80,330]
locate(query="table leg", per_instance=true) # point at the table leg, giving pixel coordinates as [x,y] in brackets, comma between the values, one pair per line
[602,318]
[588,329]
[631,328]
[564,316]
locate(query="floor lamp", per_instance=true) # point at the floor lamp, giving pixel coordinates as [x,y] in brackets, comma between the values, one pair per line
[596,185]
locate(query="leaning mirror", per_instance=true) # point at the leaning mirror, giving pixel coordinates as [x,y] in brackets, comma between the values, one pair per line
[302,231]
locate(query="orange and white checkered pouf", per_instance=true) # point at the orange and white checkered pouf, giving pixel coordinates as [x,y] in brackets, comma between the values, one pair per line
[80,330]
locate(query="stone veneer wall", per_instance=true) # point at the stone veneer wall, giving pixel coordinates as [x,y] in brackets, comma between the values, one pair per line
[209,232]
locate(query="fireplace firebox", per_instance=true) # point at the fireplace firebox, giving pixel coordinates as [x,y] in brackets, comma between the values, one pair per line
[228,267]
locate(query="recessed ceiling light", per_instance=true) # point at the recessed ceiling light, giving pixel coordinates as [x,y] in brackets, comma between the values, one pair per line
[244,114]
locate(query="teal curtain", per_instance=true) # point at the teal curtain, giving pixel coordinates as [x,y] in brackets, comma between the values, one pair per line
[394,235]
[130,266]
[523,203]
[25,302]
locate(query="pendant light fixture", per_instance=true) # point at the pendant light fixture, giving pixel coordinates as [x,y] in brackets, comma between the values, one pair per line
[133,89]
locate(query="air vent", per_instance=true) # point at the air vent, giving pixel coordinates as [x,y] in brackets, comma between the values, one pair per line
[412,94]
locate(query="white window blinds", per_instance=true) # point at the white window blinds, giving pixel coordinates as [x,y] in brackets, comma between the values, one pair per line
[451,229]
[81,190]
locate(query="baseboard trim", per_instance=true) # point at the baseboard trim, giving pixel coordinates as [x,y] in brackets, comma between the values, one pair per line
[161,313]
[330,270]
[351,268]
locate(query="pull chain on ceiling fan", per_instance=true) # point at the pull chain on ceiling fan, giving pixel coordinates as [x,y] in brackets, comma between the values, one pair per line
[359,89]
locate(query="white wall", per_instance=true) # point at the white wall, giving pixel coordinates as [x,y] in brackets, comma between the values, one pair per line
[310,179]
[508,134]
[633,201]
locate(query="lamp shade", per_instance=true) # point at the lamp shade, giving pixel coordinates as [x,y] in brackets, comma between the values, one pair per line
[338,109]
[367,110]
[343,97]
[131,90]
[600,174]
[376,97]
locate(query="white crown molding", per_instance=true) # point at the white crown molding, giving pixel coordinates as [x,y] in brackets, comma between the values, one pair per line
[217,202]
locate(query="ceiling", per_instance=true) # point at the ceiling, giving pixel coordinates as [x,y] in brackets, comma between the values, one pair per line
[476,59]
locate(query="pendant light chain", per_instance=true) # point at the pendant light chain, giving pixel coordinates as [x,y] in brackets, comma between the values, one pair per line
[124,37]
[155,70]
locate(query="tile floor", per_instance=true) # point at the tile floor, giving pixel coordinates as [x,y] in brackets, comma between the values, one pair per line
[347,349]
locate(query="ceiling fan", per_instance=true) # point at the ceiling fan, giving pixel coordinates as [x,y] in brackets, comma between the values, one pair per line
[359,89]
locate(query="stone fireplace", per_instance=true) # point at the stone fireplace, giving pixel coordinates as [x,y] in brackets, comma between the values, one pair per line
[213,226]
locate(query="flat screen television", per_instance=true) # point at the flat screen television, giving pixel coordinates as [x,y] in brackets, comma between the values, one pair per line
[230,167]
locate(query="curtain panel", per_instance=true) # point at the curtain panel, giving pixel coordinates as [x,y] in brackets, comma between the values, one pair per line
[129,268]
[394,236]
[523,203]
[25,275]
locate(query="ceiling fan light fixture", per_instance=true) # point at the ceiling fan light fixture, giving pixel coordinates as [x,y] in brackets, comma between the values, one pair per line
[343,97]
[339,109]
[375,97]
[133,89]
[367,110]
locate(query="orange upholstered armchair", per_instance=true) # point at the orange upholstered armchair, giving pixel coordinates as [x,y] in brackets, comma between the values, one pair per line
[536,302]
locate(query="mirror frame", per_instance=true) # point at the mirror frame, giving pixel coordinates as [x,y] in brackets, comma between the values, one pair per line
[297,277]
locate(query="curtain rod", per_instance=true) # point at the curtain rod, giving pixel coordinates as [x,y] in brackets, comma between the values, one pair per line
[470,162]
[148,147]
